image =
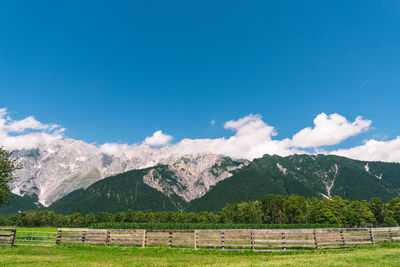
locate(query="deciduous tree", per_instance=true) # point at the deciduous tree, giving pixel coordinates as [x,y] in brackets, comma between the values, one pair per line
[8,165]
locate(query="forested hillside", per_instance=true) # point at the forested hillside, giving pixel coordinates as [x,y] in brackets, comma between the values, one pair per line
[118,193]
[318,176]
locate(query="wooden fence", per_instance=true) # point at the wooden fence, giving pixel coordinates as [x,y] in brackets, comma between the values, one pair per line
[262,240]
[35,238]
[7,236]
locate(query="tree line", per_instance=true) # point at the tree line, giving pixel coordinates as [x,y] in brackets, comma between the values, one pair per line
[272,209]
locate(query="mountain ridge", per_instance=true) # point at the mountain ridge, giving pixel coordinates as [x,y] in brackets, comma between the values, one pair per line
[309,176]
[208,182]
[52,171]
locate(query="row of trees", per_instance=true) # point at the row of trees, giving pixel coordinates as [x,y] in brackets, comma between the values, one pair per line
[294,209]
[273,209]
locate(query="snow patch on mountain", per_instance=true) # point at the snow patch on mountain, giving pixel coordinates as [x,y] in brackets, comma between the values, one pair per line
[281,168]
[366,167]
[328,179]
[367,170]
[330,185]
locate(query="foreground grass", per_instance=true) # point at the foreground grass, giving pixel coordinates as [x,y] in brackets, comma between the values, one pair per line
[81,255]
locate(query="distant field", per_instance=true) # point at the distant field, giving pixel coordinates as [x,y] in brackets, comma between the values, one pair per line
[37,229]
[182,226]
[81,255]
[191,226]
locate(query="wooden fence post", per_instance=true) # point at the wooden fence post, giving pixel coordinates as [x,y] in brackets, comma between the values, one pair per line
[13,234]
[58,239]
[83,236]
[108,236]
[284,240]
[144,238]
[252,240]
[195,239]
[170,240]
[371,236]
[222,241]
[391,235]
[342,237]
[315,239]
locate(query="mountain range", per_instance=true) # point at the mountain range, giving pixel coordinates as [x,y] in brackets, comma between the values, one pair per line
[50,172]
[74,176]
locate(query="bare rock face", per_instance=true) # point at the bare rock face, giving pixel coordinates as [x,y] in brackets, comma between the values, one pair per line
[191,176]
[51,172]
[54,170]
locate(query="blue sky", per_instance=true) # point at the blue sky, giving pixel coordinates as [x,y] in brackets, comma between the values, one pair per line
[117,71]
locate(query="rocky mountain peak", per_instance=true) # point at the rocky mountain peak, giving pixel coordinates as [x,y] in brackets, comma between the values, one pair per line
[52,171]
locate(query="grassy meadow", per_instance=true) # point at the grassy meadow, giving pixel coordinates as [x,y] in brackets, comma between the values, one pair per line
[84,255]
[37,229]
[192,226]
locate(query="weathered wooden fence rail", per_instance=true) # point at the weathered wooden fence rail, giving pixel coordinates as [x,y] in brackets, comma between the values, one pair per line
[262,240]
[7,236]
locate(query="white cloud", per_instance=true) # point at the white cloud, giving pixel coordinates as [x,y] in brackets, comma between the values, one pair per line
[329,130]
[158,139]
[212,122]
[251,138]
[373,150]
[251,125]
[27,123]
[39,133]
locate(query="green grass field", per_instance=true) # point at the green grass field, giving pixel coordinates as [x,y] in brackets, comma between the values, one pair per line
[37,229]
[81,255]
[188,226]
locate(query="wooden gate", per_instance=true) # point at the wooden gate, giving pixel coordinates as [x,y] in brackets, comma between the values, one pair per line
[7,236]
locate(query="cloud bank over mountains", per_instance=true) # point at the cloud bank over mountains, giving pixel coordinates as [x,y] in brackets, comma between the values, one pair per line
[252,138]
[27,133]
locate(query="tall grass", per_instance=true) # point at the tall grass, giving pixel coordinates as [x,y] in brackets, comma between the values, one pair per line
[191,226]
